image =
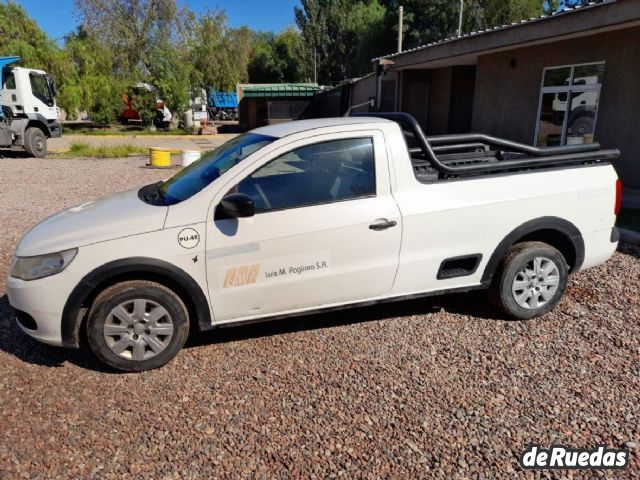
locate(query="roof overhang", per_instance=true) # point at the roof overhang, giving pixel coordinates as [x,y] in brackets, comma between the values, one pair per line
[279,90]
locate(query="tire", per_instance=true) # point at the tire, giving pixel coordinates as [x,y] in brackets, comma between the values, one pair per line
[137,325]
[35,142]
[582,126]
[520,294]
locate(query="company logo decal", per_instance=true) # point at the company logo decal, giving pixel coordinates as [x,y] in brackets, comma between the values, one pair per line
[237,277]
[291,268]
[188,238]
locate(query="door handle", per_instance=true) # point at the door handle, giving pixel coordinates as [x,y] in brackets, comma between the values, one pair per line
[382,224]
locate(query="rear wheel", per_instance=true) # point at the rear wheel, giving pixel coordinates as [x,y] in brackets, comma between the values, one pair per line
[137,325]
[582,126]
[530,280]
[35,142]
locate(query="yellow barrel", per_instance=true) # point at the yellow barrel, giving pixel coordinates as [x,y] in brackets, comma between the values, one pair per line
[160,157]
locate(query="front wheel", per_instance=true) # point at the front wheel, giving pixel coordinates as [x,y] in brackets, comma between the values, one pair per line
[137,325]
[530,280]
[35,142]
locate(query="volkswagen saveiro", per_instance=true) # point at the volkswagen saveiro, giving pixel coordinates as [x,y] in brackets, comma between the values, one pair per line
[313,215]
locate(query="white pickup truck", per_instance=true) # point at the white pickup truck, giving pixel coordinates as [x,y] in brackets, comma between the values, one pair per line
[314,215]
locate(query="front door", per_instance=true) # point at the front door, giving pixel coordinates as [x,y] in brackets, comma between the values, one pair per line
[326,231]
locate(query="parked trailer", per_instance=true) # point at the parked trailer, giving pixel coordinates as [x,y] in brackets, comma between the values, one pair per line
[28,111]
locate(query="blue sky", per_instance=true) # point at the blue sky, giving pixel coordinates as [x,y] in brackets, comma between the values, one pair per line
[57,17]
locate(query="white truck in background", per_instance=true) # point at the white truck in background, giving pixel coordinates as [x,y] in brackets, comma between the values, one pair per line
[310,216]
[28,110]
[582,113]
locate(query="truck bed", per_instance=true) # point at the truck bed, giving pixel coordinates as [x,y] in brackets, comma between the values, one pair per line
[454,156]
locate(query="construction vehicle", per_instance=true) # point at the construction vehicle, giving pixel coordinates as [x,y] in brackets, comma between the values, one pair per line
[222,105]
[28,111]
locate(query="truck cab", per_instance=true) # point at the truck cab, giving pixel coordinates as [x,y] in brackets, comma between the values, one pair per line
[28,110]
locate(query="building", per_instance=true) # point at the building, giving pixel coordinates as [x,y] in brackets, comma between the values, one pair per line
[570,77]
[266,103]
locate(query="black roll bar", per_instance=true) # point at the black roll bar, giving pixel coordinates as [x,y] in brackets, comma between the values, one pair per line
[551,156]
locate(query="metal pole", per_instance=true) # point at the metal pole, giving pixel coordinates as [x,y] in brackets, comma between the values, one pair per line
[315,66]
[400,15]
[460,18]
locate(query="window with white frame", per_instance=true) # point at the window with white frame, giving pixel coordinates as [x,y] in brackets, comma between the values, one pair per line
[568,104]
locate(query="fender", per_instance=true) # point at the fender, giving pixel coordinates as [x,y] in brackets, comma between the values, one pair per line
[555,224]
[141,268]
[38,120]
[20,125]
[51,128]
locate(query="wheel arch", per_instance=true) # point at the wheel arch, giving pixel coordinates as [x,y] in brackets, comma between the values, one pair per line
[557,232]
[136,268]
[40,125]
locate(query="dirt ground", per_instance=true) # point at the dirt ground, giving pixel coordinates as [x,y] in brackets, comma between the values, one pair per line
[441,387]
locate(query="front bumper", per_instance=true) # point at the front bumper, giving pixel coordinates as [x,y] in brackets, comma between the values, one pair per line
[55,128]
[39,304]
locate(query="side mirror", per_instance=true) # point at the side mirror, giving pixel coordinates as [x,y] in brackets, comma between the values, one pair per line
[236,205]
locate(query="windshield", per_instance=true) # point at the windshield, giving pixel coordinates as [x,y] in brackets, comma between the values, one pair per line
[198,175]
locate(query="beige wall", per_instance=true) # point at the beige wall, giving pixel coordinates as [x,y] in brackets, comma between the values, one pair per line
[506,98]
[362,90]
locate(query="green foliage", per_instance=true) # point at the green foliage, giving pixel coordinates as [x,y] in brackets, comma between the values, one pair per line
[123,43]
[144,102]
[341,36]
[219,54]
[130,29]
[140,40]
[84,150]
[278,58]
[491,13]
[169,74]
[424,21]
[344,35]
[97,90]
[366,27]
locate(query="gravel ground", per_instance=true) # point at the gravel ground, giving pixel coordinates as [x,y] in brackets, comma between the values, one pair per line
[431,388]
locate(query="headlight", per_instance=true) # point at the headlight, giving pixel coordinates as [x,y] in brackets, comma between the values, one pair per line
[32,268]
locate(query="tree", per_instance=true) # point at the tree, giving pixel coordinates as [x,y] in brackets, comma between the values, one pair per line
[97,88]
[219,54]
[492,13]
[170,75]
[143,38]
[131,29]
[278,58]
[427,21]
[365,24]
[340,35]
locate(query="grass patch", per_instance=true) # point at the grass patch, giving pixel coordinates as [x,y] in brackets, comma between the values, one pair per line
[124,130]
[81,150]
[629,219]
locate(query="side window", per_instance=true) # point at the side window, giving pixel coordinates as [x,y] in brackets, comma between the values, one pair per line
[40,89]
[319,173]
[9,81]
